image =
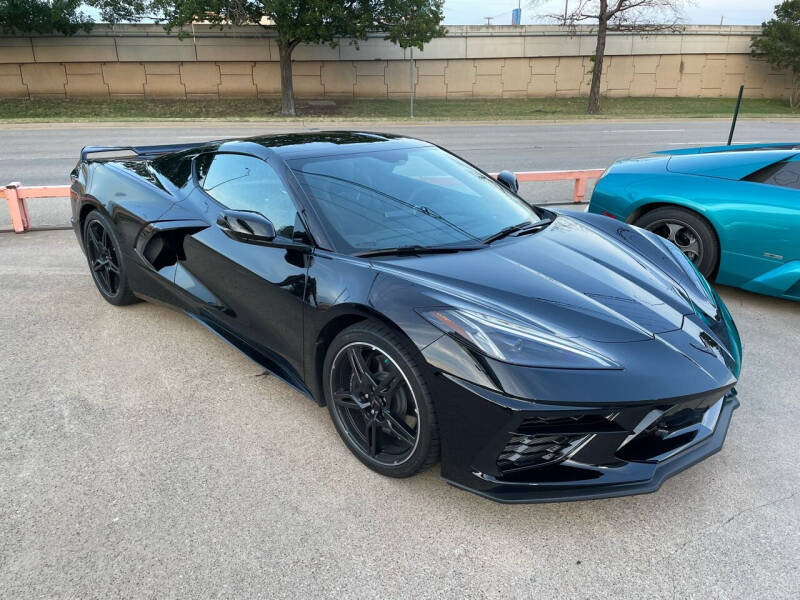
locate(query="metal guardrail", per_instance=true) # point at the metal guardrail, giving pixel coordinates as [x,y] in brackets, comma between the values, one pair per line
[17,194]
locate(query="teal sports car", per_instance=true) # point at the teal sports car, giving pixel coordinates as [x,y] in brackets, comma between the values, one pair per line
[734,211]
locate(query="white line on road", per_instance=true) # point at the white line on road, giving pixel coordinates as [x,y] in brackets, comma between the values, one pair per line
[642,131]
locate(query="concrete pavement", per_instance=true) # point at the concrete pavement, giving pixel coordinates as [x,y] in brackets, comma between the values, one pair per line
[140,456]
[44,154]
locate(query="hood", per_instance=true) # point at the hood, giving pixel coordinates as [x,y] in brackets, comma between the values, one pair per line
[571,278]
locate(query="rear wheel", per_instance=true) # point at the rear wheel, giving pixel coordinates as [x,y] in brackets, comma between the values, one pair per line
[379,400]
[106,261]
[688,231]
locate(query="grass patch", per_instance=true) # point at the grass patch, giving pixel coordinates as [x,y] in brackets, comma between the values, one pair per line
[76,110]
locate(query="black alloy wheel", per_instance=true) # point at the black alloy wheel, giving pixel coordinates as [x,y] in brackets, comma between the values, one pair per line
[102,258]
[379,402]
[105,260]
[689,232]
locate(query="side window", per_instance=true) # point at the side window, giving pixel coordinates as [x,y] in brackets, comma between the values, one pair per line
[783,174]
[242,182]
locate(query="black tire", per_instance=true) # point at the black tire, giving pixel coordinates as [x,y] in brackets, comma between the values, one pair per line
[106,261]
[386,354]
[689,231]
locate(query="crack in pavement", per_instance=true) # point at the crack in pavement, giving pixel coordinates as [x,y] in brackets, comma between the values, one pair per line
[712,529]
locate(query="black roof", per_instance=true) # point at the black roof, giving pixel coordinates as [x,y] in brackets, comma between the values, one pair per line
[318,143]
[287,145]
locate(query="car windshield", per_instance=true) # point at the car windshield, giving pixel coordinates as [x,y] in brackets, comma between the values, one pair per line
[406,197]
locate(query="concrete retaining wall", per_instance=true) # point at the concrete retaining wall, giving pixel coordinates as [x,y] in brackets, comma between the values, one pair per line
[471,62]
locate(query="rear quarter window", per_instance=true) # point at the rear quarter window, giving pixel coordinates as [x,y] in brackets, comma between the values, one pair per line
[783,174]
[175,167]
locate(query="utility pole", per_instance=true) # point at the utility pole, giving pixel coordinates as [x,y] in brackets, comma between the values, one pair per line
[411,78]
[566,11]
[488,21]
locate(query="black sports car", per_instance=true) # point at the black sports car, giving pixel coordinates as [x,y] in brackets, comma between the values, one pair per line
[541,355]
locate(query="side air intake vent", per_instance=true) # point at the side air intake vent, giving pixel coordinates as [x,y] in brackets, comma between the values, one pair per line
[163,248]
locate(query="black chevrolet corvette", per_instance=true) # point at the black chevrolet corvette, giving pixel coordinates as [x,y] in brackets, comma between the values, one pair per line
[541,355]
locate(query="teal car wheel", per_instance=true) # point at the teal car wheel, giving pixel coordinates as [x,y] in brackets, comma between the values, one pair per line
[688,231]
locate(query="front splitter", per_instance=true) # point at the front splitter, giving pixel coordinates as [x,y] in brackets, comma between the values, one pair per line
[525,493]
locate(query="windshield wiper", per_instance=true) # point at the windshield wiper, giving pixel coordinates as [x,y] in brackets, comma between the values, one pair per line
[416,250]
[535,226]
[519,229]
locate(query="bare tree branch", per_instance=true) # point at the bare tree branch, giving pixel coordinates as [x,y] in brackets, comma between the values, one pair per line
[634,16]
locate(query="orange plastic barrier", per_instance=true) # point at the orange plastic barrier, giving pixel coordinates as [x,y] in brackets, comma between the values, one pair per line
[580,177]
[17,194]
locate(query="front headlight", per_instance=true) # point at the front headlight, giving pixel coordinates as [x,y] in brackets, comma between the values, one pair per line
[515,342]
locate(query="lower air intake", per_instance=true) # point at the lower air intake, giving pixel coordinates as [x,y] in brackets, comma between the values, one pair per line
[529,451]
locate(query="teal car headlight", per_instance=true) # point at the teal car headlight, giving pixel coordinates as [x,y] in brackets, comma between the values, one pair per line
[515,342]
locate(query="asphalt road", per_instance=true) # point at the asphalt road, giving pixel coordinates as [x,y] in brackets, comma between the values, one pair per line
[44,154]
[140,456]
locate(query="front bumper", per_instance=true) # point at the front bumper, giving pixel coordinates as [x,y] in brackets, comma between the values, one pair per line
[518,451]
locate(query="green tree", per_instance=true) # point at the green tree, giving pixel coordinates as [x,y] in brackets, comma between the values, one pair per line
[410,24]
[407,22]
[779,43]
[64,16]
[39,16]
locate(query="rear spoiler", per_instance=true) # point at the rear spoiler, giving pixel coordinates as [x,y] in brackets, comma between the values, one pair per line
[140,150]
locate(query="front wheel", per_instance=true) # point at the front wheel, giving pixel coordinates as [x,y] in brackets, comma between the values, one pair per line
[379,401]
[106,261]
[690,232]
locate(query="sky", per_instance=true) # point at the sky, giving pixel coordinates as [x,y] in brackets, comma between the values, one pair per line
[701,12]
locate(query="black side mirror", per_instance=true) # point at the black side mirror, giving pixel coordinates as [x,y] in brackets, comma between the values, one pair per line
[508,179]
[254,228]
[245,226]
